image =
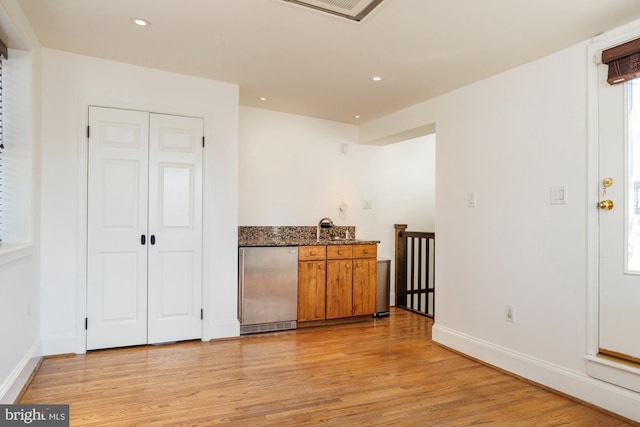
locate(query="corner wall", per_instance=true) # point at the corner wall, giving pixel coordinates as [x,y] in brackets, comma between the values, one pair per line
[69,84]
[510,138]
[293,172]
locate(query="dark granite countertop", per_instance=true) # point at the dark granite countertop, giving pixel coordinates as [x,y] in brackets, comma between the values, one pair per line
[298,236]
[304,242]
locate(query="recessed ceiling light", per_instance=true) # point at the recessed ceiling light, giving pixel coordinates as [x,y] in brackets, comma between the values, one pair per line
[376,78]
[141,22]
[262,98]
[357,117]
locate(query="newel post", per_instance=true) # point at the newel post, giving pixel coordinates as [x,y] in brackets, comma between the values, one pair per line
[400,264]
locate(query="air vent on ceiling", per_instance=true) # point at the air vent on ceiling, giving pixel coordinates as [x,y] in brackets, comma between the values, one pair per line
[355,10]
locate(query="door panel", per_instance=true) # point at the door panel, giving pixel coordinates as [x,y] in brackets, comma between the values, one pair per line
[117,218]
[175,221]
[619,286]
[118,288]
[176,195]
[121,192]
[176,284]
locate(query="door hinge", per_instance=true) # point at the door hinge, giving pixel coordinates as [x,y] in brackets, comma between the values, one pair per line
[203,142]
[88,132]
[86,323]
[201,314]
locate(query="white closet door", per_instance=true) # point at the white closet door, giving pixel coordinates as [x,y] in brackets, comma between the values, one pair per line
[175,228]
[117,220]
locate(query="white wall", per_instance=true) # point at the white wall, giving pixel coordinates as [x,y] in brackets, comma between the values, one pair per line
[70,83]
[510,138]
[19,254]
[292,172]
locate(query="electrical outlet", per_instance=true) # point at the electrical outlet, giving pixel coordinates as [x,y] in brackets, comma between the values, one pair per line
[510,313]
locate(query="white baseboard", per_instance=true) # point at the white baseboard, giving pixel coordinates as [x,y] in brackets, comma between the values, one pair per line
[60,344]
[604,395]
[10,389]
[225,328]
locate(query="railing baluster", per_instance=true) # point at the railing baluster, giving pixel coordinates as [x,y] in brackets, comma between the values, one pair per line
[415,282]
[419,240]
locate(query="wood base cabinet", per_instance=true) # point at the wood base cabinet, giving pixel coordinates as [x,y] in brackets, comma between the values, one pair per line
[339,288]
[312,282]
[339,281]
[364,286]
[336,281]
[365,267]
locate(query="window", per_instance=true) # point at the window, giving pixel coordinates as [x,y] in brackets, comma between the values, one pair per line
[3,56]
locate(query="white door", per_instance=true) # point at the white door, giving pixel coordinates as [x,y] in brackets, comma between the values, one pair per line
[619,224]
[144,228]
[175,228]
[117,225]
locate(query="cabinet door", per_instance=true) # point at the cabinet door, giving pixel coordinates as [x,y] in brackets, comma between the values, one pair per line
[339,288]
[364,286]
[312,279]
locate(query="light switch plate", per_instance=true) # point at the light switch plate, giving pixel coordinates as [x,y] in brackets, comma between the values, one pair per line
[471,199]
[559,195]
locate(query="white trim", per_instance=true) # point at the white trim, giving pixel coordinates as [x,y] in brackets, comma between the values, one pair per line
[10,252]
[609,397]
[11,387]
[615,373]
[15,13]
[227,328]
[59,344]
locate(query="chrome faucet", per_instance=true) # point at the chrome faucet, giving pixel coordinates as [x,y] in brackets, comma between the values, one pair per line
[324,223]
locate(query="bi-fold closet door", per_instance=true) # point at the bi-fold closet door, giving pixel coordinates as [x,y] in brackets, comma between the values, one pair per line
[144,266]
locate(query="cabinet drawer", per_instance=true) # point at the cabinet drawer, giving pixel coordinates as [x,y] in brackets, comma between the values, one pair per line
[365,251]
[312,253]
[340,252]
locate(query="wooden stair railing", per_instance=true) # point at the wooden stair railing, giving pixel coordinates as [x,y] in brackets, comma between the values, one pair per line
[414,270]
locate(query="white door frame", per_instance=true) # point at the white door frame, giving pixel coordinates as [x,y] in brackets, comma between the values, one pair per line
[80,338]
[615,373]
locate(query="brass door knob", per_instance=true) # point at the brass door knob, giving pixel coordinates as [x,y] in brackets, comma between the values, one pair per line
[606,205]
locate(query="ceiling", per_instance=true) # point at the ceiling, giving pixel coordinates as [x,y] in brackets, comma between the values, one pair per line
[308,62]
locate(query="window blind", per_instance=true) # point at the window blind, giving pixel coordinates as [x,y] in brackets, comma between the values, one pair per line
[623,62]
[3,55]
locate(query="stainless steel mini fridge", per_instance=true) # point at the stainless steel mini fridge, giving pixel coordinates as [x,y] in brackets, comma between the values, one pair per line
[267,288]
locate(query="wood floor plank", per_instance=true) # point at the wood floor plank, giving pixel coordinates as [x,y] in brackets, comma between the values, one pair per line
[377,373]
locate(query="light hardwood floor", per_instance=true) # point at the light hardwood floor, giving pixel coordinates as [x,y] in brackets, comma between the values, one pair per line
[383,372]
